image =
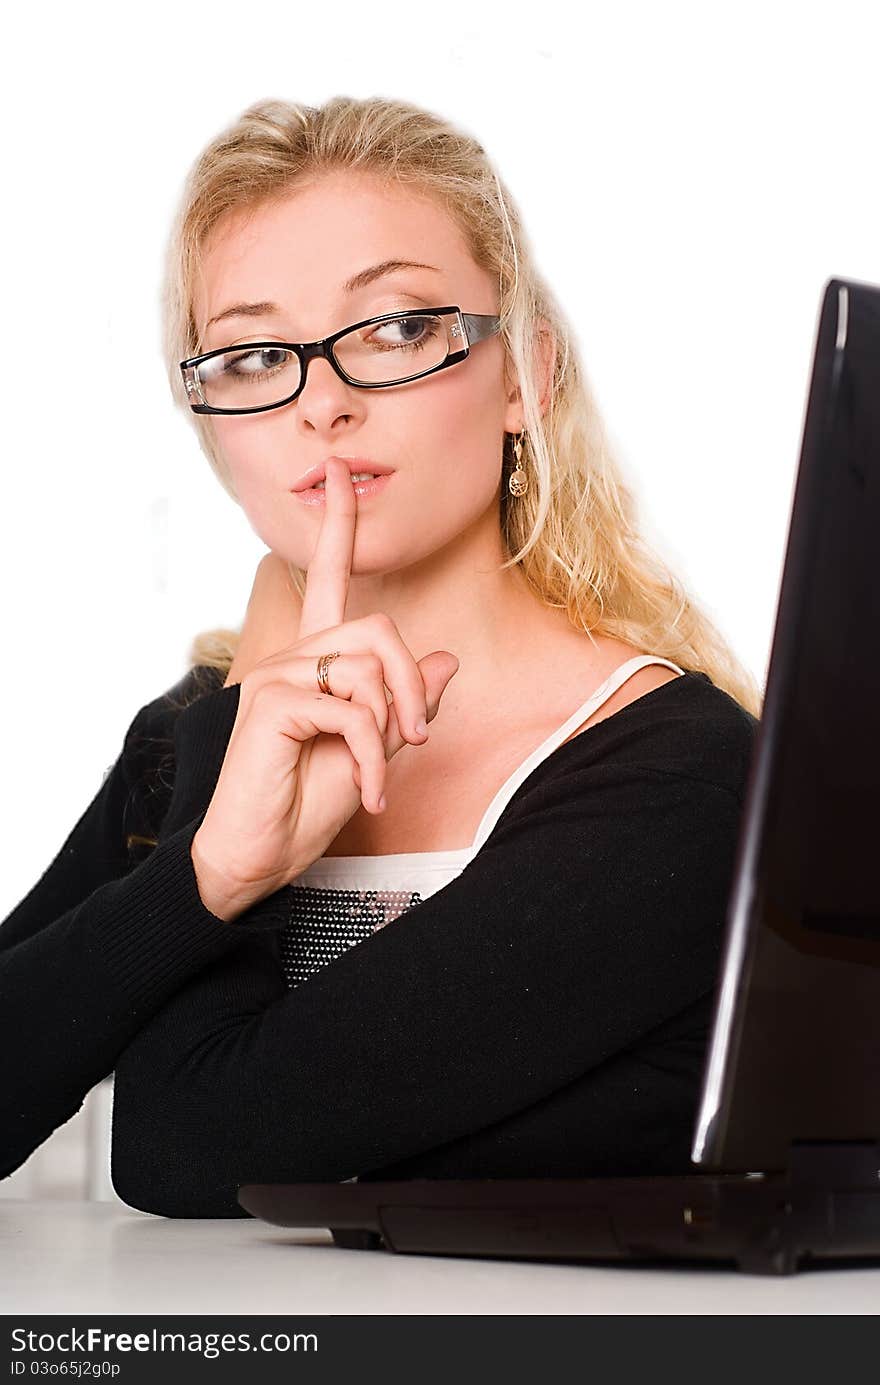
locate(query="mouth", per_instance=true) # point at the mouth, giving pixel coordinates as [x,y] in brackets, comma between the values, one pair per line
[361,469]
[369,485]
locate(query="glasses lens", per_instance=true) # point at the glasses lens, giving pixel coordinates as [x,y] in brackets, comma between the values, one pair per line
[249,379]
[389,351]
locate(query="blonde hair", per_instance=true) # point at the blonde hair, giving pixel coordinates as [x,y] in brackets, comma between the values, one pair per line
[575,533]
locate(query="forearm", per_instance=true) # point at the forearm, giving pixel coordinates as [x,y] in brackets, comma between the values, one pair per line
[74,994]
[478,1003]
[278,1088]
[98,945]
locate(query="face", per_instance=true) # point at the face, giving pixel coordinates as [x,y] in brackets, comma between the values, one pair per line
[442,435]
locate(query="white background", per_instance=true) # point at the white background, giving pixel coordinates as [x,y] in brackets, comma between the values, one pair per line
[690,175]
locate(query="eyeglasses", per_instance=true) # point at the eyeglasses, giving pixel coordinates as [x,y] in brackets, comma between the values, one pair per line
[371,355]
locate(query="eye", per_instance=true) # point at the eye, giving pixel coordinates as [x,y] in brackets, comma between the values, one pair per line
[243,364]
[267,358]
[413,333]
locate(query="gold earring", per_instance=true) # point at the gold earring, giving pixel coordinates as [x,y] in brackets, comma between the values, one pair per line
[518,481]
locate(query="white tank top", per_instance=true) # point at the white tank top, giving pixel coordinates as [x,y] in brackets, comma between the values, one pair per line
[339,900]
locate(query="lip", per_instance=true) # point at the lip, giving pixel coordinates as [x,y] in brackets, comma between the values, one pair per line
[362,489]
[318,473]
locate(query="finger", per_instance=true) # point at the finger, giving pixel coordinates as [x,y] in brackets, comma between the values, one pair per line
[377,635]
[354,677]
[401,672]
[437,670]
[326,588]
[309,715]
[368,686]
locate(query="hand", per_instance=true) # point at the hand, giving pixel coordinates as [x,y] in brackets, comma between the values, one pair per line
[299,762]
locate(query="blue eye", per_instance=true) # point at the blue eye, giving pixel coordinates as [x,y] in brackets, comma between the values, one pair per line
[423,329]
[267,359]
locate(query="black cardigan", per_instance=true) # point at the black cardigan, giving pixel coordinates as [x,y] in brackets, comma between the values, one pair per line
[543,1014]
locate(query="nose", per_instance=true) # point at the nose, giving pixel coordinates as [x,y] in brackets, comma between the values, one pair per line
[323,395]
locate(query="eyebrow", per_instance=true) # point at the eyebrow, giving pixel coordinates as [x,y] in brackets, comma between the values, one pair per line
[361,280]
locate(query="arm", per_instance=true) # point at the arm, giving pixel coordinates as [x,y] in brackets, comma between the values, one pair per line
[98,946]
[590,920]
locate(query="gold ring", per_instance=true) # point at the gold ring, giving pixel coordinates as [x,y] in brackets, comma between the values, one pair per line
[323,665]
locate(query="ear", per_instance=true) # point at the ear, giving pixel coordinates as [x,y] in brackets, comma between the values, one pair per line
[544,358]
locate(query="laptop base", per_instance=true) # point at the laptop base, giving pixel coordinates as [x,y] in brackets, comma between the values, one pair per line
[759,1223]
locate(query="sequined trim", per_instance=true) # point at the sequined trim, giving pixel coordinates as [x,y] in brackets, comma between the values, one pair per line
[327,922]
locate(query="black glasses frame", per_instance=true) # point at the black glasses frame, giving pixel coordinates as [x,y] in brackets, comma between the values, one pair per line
[471,327]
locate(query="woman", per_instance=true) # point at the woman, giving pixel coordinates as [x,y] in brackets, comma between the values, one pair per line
[508,969]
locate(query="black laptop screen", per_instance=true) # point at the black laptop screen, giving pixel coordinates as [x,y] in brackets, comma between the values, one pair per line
[795,1053]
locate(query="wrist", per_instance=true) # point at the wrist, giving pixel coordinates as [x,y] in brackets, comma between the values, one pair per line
[218,894]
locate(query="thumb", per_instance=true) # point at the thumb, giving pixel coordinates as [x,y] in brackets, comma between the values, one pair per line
[437,670]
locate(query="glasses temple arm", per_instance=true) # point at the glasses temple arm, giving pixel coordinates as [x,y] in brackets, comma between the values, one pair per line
[479,326]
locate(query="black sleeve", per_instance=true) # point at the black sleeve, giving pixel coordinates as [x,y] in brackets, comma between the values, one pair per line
[100,943]
[588,924]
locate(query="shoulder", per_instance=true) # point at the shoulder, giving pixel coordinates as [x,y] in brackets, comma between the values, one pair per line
[694,729]
[686,728]
[197,682]
[148,755]
[639,817]
[154,722]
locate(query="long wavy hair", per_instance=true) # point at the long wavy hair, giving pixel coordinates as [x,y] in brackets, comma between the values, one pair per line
[575,533]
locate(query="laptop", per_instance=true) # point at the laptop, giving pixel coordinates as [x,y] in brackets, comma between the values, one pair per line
[786,1145]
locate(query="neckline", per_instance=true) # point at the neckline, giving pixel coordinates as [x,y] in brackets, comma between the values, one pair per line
[452,855]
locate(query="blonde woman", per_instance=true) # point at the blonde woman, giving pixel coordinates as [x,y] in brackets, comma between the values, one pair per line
[424,871]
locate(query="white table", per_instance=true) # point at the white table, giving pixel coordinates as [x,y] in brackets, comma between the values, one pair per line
[100,1257]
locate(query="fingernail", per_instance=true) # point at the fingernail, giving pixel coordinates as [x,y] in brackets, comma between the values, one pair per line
[383,803]
[421,727]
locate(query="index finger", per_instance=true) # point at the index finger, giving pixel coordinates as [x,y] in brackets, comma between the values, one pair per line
[326,589]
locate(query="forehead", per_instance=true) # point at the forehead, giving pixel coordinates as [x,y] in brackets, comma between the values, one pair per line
[299,250]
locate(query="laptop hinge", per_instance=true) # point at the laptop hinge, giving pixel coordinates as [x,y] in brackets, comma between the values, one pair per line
[835,1163]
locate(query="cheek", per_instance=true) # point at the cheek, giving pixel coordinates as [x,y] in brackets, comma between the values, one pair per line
[460,413]
[256,454]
